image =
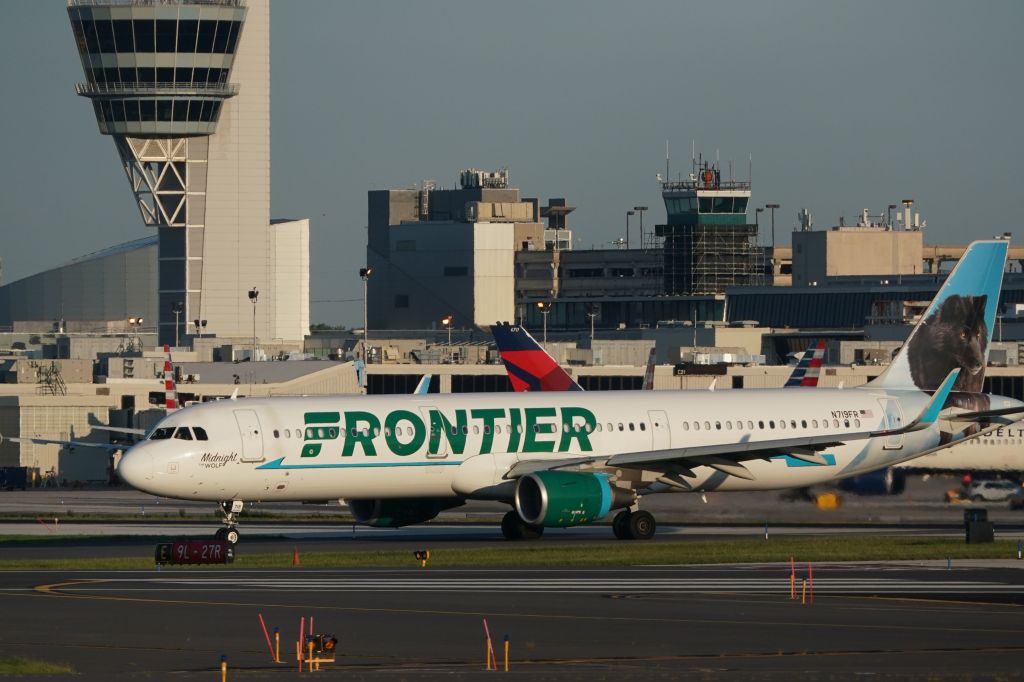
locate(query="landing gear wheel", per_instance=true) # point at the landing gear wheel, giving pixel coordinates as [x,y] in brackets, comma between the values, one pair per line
[641,525]
[514,528]
[231,535]
[221,534]
[620,525]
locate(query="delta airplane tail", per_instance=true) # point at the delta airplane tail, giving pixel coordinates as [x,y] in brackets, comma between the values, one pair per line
[955,330]
[529,366]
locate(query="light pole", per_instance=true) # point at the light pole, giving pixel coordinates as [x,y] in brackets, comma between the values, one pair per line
[592,314]
[135,323]
[446,322]
[254,294]
[545,309]
[772,207]
[628,213]
[757,218]
[177,308]
[640,210]
[365,273]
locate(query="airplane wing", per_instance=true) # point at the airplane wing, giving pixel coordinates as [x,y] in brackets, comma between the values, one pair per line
[109,447]
[124,429]
[729,457]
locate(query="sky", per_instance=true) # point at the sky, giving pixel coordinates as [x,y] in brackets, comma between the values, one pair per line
[840,106]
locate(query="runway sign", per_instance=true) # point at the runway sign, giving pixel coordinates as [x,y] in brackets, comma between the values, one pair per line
[195,552]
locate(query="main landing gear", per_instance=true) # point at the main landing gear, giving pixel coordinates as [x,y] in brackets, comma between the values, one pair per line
[634,525]
[514,528]
[230,511]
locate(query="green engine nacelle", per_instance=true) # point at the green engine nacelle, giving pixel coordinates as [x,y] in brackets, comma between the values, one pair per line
[559,499]
[395,513]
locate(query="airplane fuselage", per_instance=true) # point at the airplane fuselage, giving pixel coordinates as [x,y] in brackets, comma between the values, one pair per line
[462,445]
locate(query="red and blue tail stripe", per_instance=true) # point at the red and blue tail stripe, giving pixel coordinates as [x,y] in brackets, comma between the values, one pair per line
[808,370]
[529,366]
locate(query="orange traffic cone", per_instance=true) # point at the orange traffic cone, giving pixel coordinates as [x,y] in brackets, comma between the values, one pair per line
[295,557]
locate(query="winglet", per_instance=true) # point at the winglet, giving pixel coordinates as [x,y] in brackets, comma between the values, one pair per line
[931,411]
[234,394]
[423,387]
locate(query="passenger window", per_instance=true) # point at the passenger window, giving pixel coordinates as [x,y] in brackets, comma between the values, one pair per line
[707,426]
[771,424]
[696,426]
[631,427]
[200,433]
[163,433]
[718,426]
[814,423]
[750,425]
[643,426]
[287,434]
[387,431]
[565,428]
[686,426]
[728,426]
[835,423]
[856,422]
[497,428]
[183,433]
[760,425]
[620,426]
[782,424]
[846,423]
[476,429]
[277,434]
[792,423]
[803,423]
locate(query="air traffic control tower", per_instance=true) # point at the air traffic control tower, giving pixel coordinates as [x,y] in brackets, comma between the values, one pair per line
[709,243]
[183,88]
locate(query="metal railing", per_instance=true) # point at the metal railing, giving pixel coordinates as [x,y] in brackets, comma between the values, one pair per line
[105,89]
[701,184]
[153,3]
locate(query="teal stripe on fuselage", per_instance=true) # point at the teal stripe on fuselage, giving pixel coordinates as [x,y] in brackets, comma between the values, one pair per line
[276,464]
[830,460]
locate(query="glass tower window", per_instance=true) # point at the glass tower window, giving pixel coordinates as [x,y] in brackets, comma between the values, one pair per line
[144,36]
[105,35]
[187,29]
[166,35]
[123,40]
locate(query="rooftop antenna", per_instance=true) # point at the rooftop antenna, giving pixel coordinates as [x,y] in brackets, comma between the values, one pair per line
[668,178]
[693,155]
[750,169]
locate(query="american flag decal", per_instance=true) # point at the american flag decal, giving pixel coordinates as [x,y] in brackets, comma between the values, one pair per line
[867,413]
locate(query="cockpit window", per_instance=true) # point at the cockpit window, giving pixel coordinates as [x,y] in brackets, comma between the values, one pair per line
[200,433]
[183,433]
[162,433]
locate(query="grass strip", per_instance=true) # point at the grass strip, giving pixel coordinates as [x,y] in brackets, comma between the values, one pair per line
[610,554]
[20,665]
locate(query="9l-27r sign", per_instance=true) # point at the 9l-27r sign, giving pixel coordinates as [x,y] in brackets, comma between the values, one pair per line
[195,552]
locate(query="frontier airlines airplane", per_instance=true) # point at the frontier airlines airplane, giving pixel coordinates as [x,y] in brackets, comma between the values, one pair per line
[570,458]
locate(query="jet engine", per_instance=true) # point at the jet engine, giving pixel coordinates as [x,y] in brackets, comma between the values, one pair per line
[559,499]
[394,513]
[888,481]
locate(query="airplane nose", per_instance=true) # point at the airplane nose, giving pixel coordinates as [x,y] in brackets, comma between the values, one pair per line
[136,468]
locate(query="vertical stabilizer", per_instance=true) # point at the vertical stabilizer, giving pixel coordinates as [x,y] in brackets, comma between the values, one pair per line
[954,331]
[529,366]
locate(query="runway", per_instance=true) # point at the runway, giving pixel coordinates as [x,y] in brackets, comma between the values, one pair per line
[886,620]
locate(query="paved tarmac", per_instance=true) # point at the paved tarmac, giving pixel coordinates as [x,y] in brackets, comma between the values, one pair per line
[889,621]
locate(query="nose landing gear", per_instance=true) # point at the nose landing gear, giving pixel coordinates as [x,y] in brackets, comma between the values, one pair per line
[230,511]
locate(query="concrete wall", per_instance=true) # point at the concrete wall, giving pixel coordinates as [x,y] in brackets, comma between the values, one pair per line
[855,251]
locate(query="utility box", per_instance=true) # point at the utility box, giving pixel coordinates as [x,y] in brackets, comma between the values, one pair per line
[977,527]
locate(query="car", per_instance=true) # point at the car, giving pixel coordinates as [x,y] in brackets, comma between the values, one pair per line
[1017,499]
[991,491]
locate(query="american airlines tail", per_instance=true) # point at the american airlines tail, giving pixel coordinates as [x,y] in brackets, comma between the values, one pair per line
[955,329]
[808,370]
